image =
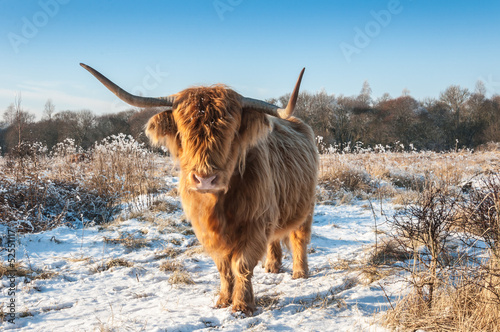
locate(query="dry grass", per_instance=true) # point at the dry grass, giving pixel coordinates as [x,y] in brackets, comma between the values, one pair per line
[388,251]
[323,300]
[171,266]
[112,263]
[129,241]
[195,250]
[118,262]
[168,253]
[268,302]
[78,259]
[20,271]
[372,273]
[180,277]
[396,174]
[342,265]
[165,206]
[17,270]
[122,165]
[44,275]
[467,308]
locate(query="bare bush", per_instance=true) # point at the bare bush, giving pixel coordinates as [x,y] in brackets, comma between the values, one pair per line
[465,296]
[43,205]
[481,219]
[426,228]
[120,164]
[39,191]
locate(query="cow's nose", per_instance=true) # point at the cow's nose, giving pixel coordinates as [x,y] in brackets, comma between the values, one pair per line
[204,182]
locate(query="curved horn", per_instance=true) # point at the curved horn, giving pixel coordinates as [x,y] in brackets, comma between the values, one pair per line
[287,112]
[273,110]
[127,97]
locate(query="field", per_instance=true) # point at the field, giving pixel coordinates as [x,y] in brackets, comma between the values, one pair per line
[102,245]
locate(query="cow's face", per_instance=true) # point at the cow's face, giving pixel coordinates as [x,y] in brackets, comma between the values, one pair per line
[209,133]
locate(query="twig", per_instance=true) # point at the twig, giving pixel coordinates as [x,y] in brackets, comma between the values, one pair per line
[375,219]
[386,296]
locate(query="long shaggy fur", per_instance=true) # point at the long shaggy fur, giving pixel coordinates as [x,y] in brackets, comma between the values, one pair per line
[268,167]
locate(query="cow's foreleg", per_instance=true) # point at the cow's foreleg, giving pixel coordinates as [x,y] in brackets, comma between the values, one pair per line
[243,262]
[299,240]
[273,257]
[243,299]
[226,281]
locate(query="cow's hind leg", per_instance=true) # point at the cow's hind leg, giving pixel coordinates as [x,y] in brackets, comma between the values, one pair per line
[226,281]
[299,240]
[273,257]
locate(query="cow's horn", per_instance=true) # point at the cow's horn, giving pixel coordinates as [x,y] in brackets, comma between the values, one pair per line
[127,97]
[273,110]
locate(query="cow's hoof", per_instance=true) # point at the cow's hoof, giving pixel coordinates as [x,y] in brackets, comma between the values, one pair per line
[223,302]
[244,309]
[273,268]
[299,275]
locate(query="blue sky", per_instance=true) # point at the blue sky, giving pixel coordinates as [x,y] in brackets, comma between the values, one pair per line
[257,47]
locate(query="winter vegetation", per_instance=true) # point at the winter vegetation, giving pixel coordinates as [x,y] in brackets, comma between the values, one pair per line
[457,118]
[405,231]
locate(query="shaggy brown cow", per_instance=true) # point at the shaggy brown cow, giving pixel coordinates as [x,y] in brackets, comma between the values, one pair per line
[247,181]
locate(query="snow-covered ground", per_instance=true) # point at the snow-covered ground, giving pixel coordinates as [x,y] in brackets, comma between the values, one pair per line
[92,291]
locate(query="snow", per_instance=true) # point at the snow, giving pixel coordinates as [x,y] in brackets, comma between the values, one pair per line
[86,296]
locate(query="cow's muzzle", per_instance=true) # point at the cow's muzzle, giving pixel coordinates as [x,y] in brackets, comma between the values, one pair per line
[206,183]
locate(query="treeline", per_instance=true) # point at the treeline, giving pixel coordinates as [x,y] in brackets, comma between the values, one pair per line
[84,127]
[457,119]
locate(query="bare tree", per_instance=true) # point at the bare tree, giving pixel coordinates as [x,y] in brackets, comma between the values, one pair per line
[48,110]
[385,97]
[428,102]
[480,88]
[365,94]
[454,98]
[428,223]
[342,126]
[17,118]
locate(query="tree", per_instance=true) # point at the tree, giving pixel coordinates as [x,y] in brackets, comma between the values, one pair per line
[48,110]
[385,97]
[79,125]
[365,95]
[320,113]
[111,124]
[342,124]
[480,88]
[9,115]
[17,119]
[454,97]
[137,122]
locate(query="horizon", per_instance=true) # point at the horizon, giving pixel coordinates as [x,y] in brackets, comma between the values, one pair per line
[257,48]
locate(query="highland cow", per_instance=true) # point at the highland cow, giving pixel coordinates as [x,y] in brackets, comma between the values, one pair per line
[247,180]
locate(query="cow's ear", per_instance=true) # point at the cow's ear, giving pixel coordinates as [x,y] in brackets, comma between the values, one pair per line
[161,130]
[255,126]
